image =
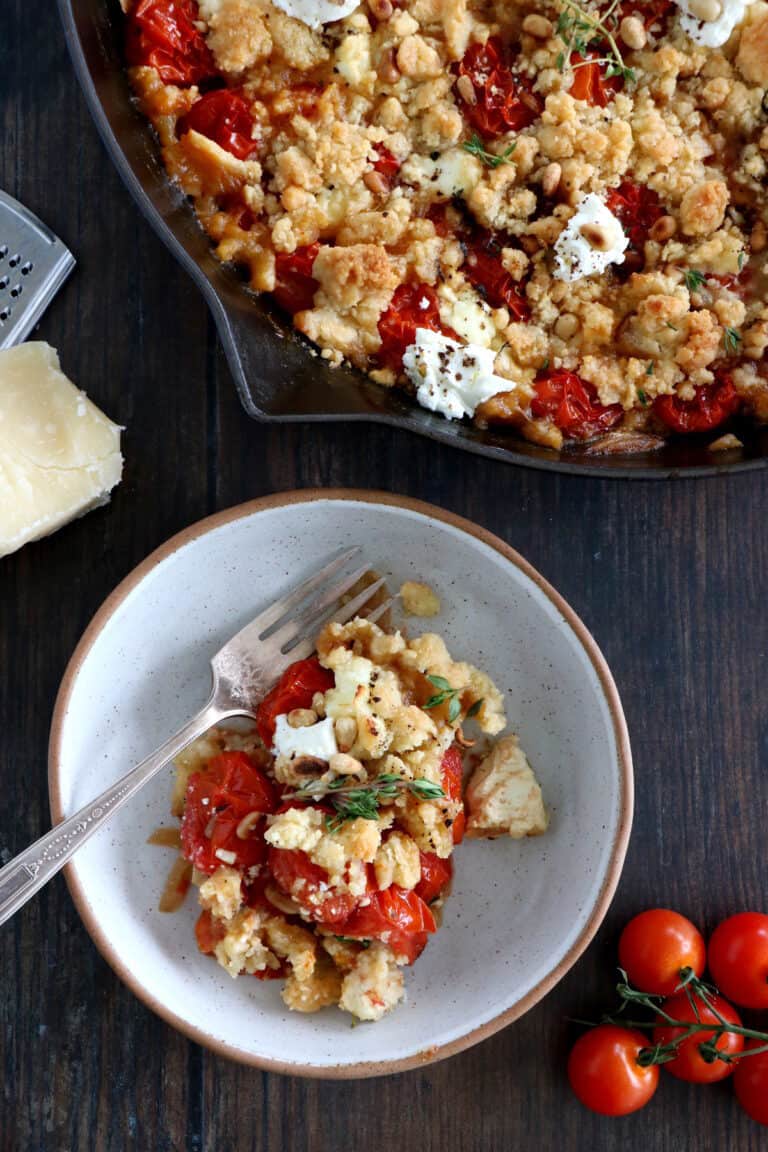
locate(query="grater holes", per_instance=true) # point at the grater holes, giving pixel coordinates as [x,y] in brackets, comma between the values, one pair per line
[3,251]
[14,260]
[26,268]
[16,291]
[4,282]
[4,314]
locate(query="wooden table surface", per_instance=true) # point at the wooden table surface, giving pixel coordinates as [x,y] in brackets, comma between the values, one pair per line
[670,578]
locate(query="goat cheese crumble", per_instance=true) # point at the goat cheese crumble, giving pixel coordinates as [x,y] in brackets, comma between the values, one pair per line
[592,239]
[316,740]
[451,378]
[711,22]
[315,13]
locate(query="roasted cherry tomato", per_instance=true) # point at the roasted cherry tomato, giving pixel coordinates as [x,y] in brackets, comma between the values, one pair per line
[385,163]
[604,1073]
[750,1083]
[161,34]
[712,405]
[412,306]
[738,959]
[572,404]
[396,916]
[655,946]
[224,117]
[295,689]
[452,773]
[590,82]
[637,208]
[689,1063]
[504,100]
[295,285]
[208,932]
[483,268]
[217,800]
[435,874]
[307,884]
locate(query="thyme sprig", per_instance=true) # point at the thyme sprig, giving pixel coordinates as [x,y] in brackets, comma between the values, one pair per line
[583,32]
[698,992]
[476,147]
[444,692]
[693,279]
[731,341]
[357,801]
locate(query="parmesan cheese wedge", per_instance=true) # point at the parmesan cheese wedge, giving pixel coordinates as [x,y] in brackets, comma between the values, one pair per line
[59,455]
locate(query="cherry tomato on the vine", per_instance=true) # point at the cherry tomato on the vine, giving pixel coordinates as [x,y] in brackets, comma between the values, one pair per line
[655,946]
[750,1083]
[690,1063]
[738,959]
[604,1073]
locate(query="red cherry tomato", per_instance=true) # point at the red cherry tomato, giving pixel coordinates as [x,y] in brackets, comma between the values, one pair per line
[738,959]
[452,772]
[435,874]
[655,946]
[217,799]
[504,100]
[224,117]
[750,1083]
[572,404]
[689,1064]
[712,406]
[637,208]
[295,285]
[385,163]
[604,1073]
[295,689]
[483,268]
[590,82]
[412,306]
[399,918]
[307,884]
[161,34]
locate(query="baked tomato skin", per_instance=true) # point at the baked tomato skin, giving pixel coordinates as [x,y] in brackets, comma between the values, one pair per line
[398,917]
[656,945]
[307,884]
[208,932]
[750,1083]
[436,873]
[452,781]
[412,306]
[738,959]
[295,286]
[217,798]
[484,270]
[295,689]
[572,404]
[590,82]
[604,1073]
[637,208]
[689,1063]
[712,405]
[161,34]
[504,101]
[224,117]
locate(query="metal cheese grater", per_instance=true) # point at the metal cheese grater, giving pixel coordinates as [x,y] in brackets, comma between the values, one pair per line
[33,265]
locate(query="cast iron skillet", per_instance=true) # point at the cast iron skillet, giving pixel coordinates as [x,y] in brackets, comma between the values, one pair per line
[276,375]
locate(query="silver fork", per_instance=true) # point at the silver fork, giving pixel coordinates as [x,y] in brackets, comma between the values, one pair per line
[243,670]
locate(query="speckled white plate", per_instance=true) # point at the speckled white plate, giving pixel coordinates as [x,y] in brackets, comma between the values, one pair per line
[520,912]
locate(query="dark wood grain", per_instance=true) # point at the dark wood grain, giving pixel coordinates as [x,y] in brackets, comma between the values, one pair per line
[670,578]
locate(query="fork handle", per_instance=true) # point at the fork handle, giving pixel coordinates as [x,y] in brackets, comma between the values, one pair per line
[23,876]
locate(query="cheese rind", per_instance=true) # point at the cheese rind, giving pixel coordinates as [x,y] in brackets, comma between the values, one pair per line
[59,454]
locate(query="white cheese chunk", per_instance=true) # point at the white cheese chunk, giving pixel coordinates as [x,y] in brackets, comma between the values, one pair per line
[711,22]
[59,455]
[315,13]
[316,740]
[454,173]
[592,239]
[467,314]
[451,378]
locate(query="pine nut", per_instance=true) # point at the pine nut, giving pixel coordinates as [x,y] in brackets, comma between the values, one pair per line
[550,179]
[566,326]
[633,33]
[376,182]
[247,823]
[595,236]
[663,229]
[345,729]
[466,90]
[537,26]
[344,765]
[318,704]
[302,718]
[381,9]
[706,10]
[388,71]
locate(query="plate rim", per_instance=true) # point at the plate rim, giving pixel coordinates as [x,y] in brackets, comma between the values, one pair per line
[623,750]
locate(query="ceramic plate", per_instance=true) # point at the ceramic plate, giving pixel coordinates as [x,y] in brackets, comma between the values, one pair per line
[521,912]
